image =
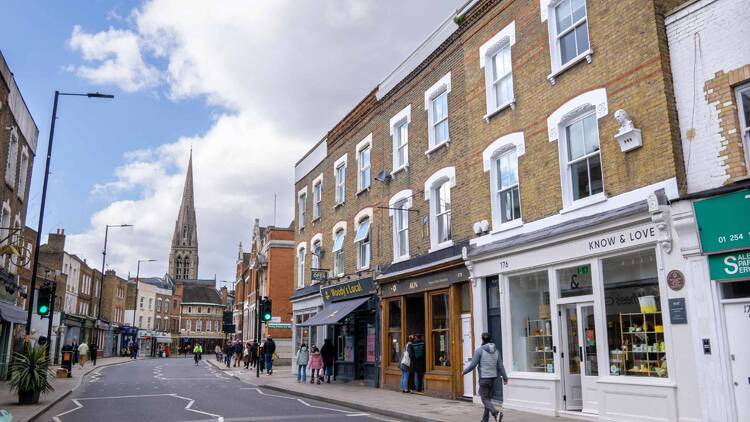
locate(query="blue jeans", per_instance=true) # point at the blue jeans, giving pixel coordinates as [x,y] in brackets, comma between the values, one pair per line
[404,378]
[418,376]
[301,373]
[269,362]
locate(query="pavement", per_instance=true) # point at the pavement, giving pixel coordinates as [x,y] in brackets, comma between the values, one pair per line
[178,390]
[63,387]
[393,404]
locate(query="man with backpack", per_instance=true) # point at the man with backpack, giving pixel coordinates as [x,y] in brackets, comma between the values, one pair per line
[489,366]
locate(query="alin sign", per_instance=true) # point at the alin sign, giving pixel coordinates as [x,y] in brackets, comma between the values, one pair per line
[730,266]
[723,222]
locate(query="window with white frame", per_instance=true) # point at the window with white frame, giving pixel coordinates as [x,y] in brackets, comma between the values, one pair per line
[399,206]
[438,192]
[317,197]
[568,33]
[363,159]
[317,250]
[23,176]
[743,105]
[301,252]
[338,253]
[216,326]
[11,163]
[149,323]
[400,135]
[495,58]
[189,325]
[340,179]
[583,160]
[436,104]
[362,241]
[198,325]
[508,200]
[301,208]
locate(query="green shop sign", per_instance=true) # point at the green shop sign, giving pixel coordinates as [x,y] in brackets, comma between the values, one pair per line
[729,266]
[724,222]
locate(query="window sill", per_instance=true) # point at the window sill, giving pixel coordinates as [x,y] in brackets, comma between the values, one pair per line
[511,104]
[631,380]
[440,246]
[363,190]
[315,220]
[507,226]
[340,204]
[400,259]
[437,147]
[545,376]
[583,203]
[588,54]
[363,268]
[403,168]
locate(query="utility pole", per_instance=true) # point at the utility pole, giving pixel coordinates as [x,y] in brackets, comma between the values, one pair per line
[257,325]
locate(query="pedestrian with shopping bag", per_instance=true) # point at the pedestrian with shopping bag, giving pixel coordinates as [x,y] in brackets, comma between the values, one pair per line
[405,366]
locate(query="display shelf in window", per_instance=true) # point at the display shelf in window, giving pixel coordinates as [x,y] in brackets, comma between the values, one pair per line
[643,350]
[539,345]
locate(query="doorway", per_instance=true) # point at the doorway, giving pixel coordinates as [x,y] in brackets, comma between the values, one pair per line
[579,360]
[467,354]
[493,325]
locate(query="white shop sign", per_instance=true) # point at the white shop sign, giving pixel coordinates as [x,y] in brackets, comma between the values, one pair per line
[579,248]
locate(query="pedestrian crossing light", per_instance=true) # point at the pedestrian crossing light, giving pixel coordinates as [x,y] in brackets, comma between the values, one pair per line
[265,310]
[43,300]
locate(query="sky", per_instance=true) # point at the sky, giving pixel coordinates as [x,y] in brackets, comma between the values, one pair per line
[249,85]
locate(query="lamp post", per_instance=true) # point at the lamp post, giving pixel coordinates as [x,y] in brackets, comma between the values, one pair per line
[137,274]
[44,197]
[101,289]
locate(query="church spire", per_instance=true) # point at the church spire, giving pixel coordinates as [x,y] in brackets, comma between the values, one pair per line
[183,256]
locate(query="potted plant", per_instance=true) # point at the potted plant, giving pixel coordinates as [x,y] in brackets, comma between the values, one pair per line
[29,374]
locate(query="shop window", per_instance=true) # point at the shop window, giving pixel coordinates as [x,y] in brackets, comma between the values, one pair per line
[394,331]
[362,240]
[338,253]
[734,289]
[440,330]
[575,281]
[634,320]
[531,325]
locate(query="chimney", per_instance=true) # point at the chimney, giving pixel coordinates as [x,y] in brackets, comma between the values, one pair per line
[56,241]
[224,295]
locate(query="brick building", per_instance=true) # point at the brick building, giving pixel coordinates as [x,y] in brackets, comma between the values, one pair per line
[512,176]
[202,308]
[267,268]
[114,294]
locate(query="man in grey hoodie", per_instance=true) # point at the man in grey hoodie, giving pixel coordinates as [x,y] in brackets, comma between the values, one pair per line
[489,366]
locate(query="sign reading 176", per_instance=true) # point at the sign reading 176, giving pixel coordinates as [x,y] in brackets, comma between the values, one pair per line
[724,222]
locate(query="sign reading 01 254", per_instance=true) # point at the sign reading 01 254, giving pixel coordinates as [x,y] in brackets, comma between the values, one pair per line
[723,223]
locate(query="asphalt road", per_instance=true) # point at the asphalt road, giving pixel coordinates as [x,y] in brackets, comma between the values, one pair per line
[173,390]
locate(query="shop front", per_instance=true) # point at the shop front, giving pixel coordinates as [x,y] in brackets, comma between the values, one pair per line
[350,319]
[433,309]
[590,325]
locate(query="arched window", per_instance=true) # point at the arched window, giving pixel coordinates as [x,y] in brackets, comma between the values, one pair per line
[186,268]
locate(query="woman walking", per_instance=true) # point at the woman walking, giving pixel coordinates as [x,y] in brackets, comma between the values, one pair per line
[316,366]
[302,357]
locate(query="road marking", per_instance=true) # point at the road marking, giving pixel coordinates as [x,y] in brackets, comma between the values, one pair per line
[321,407]
[188,407]
[56,418]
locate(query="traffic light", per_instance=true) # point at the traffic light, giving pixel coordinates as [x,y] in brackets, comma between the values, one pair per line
[227,317]
[265,310]
[44,299]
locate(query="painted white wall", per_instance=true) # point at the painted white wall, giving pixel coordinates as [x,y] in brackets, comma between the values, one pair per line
[704,38]
[147,292]
[71,268]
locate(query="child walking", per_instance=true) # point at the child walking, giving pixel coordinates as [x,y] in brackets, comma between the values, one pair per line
[302,357]
[316,365]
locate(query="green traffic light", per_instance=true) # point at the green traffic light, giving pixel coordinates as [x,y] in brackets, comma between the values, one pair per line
[266,317]
[43,309]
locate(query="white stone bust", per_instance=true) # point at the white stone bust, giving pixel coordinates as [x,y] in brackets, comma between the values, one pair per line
[623,118]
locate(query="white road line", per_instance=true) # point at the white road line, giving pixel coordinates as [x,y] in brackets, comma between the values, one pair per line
[56,418]
[133,396]
[321,407]
[190,405]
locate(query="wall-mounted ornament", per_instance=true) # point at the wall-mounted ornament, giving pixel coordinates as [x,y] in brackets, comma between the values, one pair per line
[628,136]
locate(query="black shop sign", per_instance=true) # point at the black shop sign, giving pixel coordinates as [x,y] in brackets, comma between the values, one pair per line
[348,290]
[425,282]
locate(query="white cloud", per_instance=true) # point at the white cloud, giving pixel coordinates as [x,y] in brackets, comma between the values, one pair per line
[280,73]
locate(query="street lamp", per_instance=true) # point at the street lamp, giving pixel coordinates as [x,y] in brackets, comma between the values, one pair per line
[44,196]
[101,283]
[137,274]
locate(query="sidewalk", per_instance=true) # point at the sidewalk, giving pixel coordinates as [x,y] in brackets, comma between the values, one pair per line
[412,407]
[63,387]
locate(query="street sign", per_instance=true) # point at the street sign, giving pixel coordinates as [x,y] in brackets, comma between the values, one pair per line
[723,222]
[319,274]
[275,319]
[279,325]
[729,266]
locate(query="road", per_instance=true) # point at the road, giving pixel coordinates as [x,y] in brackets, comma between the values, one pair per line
[174,390]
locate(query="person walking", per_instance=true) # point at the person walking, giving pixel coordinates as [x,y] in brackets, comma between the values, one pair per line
[418,362]
[489,366]
[316,366]
[405,365]
[328,353]
[228,355]
[237,353]
[269,348]
[217,350]
[253,354]
[303,354]
[197,352]
[246,355]
[134,350]
[83,353]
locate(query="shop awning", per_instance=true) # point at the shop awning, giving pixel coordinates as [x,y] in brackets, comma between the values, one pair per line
[335,312]
[12,313]
[164,339]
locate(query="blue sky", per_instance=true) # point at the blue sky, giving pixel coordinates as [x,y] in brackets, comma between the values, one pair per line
[240,81]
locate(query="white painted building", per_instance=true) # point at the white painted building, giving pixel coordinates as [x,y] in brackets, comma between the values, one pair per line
[71,268]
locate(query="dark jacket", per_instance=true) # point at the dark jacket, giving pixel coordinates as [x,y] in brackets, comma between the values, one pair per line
[238,348]
[417,354]
[329,353]
[269,347]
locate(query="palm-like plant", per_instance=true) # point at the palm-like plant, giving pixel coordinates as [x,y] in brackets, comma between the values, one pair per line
[29,374]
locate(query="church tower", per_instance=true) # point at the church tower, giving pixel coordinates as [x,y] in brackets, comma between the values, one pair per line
[183,256]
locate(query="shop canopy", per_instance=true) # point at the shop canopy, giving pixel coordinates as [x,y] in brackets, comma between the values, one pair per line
[334,312]
[12,313]
[164,339]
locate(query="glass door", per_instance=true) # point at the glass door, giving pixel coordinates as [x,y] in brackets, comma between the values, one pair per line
[579,359]
[589,361]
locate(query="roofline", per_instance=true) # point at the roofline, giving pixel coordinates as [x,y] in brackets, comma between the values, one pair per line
[309,151]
